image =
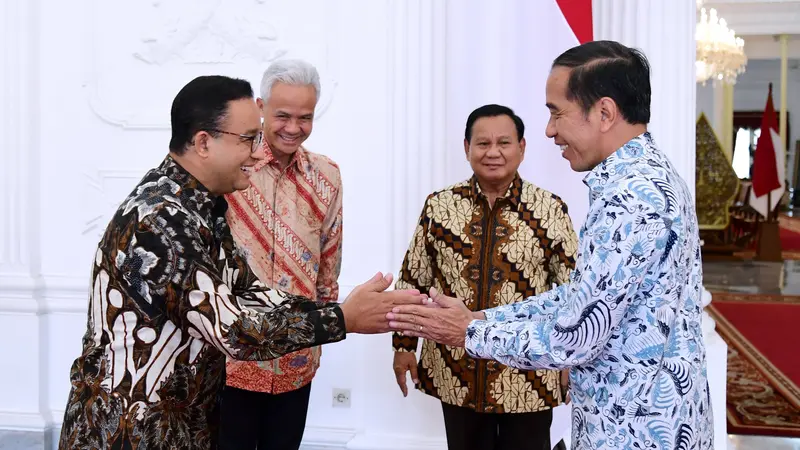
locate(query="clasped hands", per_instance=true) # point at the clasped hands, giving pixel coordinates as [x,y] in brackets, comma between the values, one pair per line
[439,318]
[370,310]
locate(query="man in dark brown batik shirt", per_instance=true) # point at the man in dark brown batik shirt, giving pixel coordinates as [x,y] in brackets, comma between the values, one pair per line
[172,295]
[492,240]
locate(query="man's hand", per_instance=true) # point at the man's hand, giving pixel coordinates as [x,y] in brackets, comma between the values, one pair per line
[403,362]
[445,320]
[366,307]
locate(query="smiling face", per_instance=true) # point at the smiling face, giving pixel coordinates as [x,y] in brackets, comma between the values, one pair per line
[230,157]
[288,117]
[494,150]
[579,135]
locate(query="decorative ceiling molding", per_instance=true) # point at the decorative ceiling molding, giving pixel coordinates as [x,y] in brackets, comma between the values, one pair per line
[759,17]
[768,47]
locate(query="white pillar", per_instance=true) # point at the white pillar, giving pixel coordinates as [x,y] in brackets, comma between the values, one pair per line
[719,108]
[19,322]
[16,206]
[717,360]
[664,31]
[419,160]
[419,146]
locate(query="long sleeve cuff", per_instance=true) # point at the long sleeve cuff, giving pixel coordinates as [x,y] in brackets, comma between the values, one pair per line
[495,314]
[475,342]
[402,343]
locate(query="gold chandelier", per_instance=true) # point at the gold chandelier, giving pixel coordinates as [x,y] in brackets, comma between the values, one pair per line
[720,54]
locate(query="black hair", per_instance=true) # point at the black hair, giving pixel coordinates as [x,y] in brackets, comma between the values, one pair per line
[493,111]
[202,105]
[609,69]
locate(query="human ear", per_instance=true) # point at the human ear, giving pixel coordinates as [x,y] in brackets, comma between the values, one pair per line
[200,141]
[608,113]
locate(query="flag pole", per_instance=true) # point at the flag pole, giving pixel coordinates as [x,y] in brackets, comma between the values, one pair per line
[769,241]
[770,209]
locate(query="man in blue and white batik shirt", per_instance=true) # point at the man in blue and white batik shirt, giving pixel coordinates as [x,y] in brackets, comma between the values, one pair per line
[628,325]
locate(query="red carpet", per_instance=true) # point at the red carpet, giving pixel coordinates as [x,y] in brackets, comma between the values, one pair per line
[790,223]
[790,239]
[770,328]
[763,397]
[790,234]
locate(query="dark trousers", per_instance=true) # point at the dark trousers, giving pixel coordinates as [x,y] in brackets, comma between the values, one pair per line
[470,430]
[256,420]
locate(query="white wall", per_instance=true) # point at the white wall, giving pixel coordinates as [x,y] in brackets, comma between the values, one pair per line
[87,89]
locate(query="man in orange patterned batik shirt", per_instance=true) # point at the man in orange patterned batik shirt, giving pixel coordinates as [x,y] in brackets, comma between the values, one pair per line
[290,222]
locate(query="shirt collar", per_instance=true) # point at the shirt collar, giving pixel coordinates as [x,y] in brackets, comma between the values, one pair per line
[299,160]
[192,194]
[616,164]
[513,193]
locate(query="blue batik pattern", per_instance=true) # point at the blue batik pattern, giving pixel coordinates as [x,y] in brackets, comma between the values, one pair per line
[629,322]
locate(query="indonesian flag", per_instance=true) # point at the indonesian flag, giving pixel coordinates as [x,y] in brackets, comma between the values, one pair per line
[769,165]
[578,14]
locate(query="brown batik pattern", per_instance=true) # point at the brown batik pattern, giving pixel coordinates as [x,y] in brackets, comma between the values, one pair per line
[171,297]
[488,257]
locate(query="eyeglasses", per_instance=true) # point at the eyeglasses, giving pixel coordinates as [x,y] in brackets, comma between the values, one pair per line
[255,140]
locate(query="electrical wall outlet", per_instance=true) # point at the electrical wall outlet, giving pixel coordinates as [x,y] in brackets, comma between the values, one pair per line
[341,398]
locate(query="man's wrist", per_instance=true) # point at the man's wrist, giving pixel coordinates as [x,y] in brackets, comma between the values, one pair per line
[564,380]
[347,315]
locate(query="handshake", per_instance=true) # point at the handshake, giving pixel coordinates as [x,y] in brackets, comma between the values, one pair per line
[370,310]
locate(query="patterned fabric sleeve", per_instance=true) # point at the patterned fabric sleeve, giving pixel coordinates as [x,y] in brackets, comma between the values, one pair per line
[540,305]
[169,252]
[415,273]
[330,261]
[624,243]
[565,246]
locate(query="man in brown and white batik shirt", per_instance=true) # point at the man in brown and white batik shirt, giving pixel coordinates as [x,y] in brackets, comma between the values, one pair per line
[172,296]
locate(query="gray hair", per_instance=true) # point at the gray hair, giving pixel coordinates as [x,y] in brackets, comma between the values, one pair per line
[289,71]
